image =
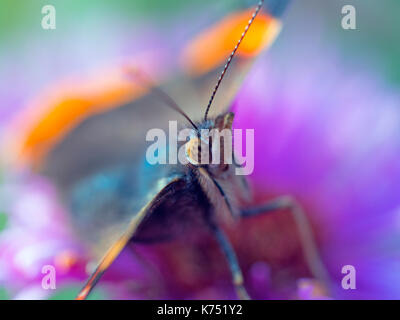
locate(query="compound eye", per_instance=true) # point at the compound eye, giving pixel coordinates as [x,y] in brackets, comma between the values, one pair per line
[197,151]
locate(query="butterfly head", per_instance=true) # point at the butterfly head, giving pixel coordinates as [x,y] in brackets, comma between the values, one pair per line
[211,144]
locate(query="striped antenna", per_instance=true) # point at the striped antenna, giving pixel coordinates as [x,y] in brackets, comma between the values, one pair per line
[231,57]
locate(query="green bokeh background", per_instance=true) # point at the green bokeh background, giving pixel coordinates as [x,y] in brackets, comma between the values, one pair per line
[377,36]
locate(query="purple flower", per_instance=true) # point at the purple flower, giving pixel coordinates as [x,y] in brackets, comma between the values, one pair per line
[327,134]
[36,235]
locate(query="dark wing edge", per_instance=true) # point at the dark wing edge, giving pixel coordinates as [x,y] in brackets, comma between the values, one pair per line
[165,189]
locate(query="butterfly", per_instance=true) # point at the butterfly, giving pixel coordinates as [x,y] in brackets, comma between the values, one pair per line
[91,141]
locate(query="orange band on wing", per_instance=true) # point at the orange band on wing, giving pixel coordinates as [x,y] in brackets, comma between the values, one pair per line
[64,106]
[212,47]
[66,109]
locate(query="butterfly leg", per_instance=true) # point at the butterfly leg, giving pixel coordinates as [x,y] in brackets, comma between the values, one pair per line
[231,258]
[305,233]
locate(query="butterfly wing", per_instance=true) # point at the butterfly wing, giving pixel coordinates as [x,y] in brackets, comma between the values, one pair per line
[205,57]
[166,190]
[105,140]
